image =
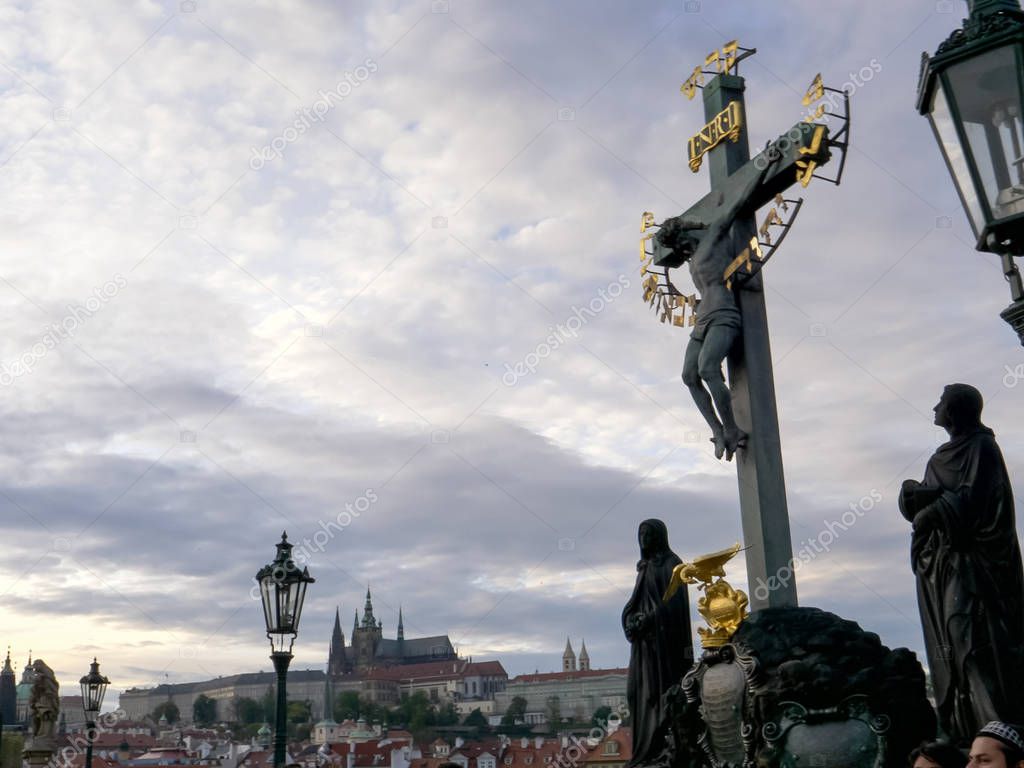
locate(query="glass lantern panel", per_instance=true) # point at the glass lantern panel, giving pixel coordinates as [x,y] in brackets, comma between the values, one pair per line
[986,89]
[267,593]
[949,140]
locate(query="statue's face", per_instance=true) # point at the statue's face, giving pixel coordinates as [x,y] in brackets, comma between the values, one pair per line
[688,243]
[942,410]
[646,536]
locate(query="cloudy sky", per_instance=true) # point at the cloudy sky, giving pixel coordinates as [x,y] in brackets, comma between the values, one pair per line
[206,341]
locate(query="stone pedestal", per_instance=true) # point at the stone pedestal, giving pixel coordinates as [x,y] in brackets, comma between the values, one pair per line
[800,687]
[38,753]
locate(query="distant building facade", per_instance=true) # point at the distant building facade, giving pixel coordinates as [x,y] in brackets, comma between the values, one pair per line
[575,693]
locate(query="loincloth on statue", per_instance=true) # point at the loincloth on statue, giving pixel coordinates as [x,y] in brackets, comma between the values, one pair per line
[727,316]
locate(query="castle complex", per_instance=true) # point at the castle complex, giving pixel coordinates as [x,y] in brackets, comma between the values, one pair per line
[370,649]
[379,668]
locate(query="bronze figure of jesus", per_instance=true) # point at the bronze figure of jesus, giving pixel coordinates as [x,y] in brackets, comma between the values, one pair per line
[709,249]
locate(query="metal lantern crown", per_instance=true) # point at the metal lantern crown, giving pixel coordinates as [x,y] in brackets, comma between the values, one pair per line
[94,686]
[972,90]
[283,588]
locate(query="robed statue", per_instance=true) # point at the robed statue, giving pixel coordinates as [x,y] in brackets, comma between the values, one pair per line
[44,705]
[661,643]
[966,557]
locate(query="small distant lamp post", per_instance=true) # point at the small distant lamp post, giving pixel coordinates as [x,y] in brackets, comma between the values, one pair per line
[972,90]
[94,686]
[283,588]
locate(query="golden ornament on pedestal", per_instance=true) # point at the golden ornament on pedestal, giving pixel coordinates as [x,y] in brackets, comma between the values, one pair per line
[722,607]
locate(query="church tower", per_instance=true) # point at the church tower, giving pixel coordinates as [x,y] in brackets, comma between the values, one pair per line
[366,636]
[568,658]
[8,692]
[337,664]
[584,657]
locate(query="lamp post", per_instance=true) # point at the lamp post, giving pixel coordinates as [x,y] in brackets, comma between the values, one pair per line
[972,90]
[94,685]
[283,589]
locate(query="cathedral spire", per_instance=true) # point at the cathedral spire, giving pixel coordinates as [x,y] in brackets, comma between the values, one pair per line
[401,625]
[8,692]
[568,657]
[355,626]
[368,618]
[584,657]
[336,655]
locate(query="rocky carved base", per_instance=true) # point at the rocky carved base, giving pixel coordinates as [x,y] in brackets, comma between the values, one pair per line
[800,687]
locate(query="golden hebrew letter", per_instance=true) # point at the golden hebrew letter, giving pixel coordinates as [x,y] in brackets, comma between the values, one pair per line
[816,114]
[814,92]
[781,201]
[646,221]
[690,86]
[772,218]
[805,171]
[711,59]
[739,261]
[755,246]
[815,147]
[728,60]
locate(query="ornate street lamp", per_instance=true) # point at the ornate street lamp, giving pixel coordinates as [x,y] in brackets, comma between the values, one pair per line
[94,685]
[972,91]
[283,589]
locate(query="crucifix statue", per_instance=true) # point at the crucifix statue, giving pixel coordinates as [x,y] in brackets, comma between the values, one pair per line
[719,240]
[707,247]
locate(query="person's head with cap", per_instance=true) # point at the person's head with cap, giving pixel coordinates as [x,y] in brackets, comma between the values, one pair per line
[998,745]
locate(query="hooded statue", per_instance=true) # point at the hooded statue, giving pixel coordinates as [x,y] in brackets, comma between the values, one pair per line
[662,645]
[44,705]
[970,587]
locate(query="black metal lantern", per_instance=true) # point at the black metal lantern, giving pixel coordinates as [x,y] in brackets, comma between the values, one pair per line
[283,589]
[972,91]
[94,686]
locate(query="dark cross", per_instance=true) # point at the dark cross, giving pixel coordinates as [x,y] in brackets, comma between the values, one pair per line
[718,236]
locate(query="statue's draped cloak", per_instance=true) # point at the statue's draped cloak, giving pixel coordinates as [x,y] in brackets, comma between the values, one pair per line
[970,585]
[660,656]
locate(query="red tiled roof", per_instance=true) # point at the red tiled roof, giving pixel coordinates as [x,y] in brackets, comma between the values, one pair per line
[78,761]
[492,668]
[108,740]
[439,670]
[545,676]
[623,737]
[428,762]
[258,757]
[367,753]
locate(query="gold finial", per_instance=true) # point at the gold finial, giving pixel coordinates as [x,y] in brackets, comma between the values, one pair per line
[721,606]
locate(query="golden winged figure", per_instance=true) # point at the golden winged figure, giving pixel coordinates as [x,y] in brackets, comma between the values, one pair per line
[722,607]
[705,568]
